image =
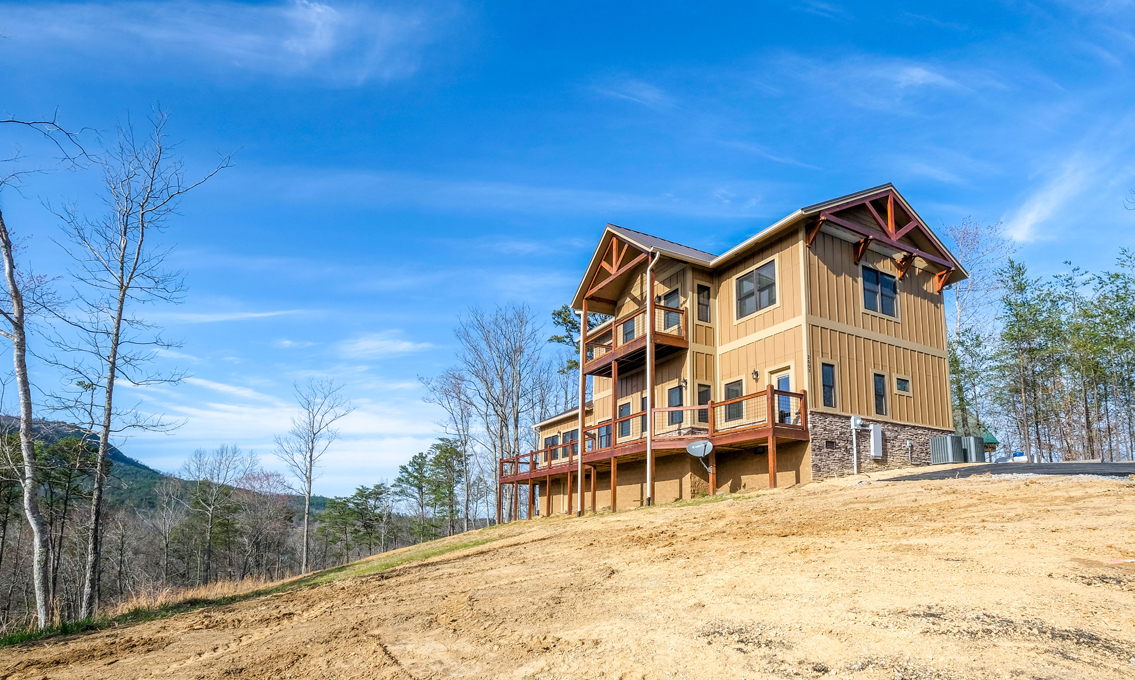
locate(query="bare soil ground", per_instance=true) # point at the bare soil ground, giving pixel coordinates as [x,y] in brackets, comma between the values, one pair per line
[986,577]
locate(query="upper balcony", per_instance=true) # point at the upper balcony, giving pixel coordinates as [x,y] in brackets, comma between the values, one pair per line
[624,340]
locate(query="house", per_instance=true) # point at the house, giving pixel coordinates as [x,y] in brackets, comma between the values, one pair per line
[766,351]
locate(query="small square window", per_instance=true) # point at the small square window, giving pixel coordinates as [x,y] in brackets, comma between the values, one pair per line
[902,385]
[829,445]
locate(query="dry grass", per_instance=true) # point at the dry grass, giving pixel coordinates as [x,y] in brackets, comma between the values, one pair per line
[172,597]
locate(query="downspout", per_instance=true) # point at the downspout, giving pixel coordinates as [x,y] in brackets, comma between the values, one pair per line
[650,378]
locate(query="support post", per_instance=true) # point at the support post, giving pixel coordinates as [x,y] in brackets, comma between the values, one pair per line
[500,473]
[582,405]
[548,496]
[614,482]
[614,394]
[592,490]
[531,501]
[569,490]
[650,379]
[713,473]
[772,460]
[515,501]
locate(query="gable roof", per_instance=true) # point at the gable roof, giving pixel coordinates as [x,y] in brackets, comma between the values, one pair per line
[648,243]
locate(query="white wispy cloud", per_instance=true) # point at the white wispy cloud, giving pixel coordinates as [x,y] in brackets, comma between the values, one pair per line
[380,344]
[234,390]
[639,92]
[335,40]
[215,317]
[284,343]
[1050,199]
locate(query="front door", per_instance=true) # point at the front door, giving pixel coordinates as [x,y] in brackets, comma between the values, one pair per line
[783,402]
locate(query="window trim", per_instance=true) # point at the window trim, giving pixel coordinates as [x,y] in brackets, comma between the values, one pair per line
[748,270]
[909,382]
[725,397]
[897,318]
[875,394]
[835,383]
[697,302]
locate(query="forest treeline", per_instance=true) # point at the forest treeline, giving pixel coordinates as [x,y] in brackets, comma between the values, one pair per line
[1048,363]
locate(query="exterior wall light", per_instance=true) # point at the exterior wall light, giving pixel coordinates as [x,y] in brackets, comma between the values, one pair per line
[756,375]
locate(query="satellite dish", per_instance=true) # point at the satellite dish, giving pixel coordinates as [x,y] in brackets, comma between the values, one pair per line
[700,449]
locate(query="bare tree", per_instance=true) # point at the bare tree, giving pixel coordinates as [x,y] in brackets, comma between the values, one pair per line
[451,392]
[25,295]
[213,476]
[119,266]
[983,249]
[313,431]
[169,512]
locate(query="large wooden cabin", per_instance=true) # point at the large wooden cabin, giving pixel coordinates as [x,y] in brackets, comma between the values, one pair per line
[767,351]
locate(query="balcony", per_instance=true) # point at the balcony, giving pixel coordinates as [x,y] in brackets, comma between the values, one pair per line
[734,424]
[624,340]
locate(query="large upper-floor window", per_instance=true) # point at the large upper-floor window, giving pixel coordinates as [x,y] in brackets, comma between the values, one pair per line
[673,399]
[704,395]
[571,438]
[627,331]
[550,442]
[756,290]
[880,292]
[671,300]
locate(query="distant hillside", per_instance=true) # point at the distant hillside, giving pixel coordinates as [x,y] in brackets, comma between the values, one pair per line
[131,482]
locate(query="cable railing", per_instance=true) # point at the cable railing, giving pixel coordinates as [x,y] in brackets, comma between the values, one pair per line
[632,326]
[780,408]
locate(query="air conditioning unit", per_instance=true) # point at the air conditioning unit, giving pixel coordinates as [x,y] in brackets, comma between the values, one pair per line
[876,441]
[974,448]
[946,449]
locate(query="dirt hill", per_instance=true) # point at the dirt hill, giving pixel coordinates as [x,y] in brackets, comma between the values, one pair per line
[970,578]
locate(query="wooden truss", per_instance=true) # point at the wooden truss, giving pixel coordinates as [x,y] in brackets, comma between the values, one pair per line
[890,235]
[613,265]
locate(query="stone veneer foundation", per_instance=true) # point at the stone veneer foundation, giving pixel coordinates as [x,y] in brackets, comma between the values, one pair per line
[830,437]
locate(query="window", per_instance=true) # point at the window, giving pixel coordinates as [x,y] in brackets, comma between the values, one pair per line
[572,438]
[734,390]
[671,319]
[902,385]
[628,331]
[880,394]
[756,290]
[550,442]
[605,436]
[704,393]
[880,292]
[827,379]
[674,398]
[624,425]
[703,303]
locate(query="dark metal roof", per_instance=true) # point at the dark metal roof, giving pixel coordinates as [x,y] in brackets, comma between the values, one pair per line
[649,242]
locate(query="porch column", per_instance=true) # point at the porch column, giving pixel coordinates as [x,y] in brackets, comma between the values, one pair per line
[548,496]
[713,473]
[500,473]
[582,405]
[569,490]
[515,501]
[531,501]
[593,491]
[772,460]
[650,380]
[614,481]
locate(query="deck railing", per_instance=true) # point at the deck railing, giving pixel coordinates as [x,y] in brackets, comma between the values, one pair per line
[781,408]
[632,326]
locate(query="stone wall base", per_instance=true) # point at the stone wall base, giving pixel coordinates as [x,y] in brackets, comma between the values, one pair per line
[831,446]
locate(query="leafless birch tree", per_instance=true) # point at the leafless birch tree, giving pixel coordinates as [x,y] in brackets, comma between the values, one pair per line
[322,404]
[119,266]
[451,393]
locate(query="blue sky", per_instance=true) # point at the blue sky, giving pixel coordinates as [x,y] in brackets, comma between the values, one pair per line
[398,162]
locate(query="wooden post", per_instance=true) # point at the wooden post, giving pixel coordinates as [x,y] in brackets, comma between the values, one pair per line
[500,471]
[712,473]
[548,496]
[650,379]
[772,460]
[804,409]
[614,395]
[614,482]
[531,501]
[582,405]
[515,501]
[592,490]
[569,491]
[711,418]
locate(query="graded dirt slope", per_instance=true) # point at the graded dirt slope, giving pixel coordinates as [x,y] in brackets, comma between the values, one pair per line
[969,578]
